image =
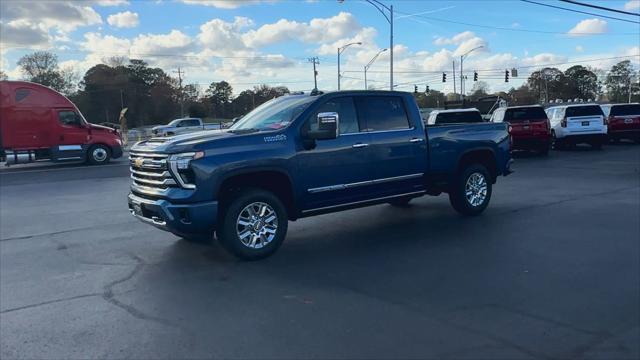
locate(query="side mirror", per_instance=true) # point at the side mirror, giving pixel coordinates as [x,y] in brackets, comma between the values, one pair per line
[328,125]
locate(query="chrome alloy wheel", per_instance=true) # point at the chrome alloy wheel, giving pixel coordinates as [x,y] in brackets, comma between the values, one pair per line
[99,154]
[475,189]
[256,225]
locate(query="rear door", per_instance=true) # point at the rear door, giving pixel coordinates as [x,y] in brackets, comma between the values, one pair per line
[584,119]
[398,147]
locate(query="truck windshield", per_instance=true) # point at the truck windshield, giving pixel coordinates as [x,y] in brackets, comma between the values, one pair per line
[274,114]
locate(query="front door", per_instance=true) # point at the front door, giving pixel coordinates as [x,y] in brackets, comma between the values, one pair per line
[73,134]
[398,147]
[334,170]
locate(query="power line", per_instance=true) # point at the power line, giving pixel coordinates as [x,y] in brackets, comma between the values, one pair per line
[510,29]
[578,11]
[600,7]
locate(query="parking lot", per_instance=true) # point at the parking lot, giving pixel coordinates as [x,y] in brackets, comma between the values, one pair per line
[550,270]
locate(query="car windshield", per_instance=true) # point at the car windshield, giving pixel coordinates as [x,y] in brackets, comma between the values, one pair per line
[458,117]
[176,122]
[275,114]
[516,115]
[624,110]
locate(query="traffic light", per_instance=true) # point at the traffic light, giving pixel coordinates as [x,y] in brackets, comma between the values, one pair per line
[415,89]
[475,76]
[444,77]
[426,89]
[506,76]
[514,72]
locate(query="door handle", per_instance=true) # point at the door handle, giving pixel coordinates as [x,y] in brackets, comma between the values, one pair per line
[359,145]
[416,140]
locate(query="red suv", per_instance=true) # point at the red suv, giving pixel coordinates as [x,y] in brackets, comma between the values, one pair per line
[528,125]
[623,121]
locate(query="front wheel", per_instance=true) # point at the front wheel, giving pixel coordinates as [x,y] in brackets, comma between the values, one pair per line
[471,192]
[98,154]
[253,225]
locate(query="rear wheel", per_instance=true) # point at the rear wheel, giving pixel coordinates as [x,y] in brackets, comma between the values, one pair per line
[98,154]
[558,144]
[471,192]
[253,225]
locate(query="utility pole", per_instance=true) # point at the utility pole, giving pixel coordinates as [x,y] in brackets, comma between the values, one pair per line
[179,72]
[315,61]
[454,77]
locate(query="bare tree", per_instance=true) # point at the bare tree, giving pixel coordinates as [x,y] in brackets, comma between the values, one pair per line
[3,76]
[42,67]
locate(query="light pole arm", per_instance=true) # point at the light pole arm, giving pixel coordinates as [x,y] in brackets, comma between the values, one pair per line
[378,6]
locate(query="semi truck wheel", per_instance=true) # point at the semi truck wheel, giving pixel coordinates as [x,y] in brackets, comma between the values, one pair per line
[471,192]
[253,224]
[98,154]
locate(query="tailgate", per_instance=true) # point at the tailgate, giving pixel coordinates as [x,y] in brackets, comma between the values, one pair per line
[585,123]
[529,128]
[624,123]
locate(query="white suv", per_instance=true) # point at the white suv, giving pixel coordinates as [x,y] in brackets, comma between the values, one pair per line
[575,124]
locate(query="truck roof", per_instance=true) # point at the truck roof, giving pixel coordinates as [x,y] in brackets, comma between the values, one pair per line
[29,94]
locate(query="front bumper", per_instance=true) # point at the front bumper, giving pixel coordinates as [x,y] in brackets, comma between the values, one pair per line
[116,151]
[180,219]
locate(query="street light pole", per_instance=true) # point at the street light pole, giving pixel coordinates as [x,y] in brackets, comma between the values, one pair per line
[366,67]
[381,8]
[340,50]
[462,82]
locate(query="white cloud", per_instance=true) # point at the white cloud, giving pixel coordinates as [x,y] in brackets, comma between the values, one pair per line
[111,2]
[23,33]
[455,40]
[223,4]
[466,41]
[173,43]
[125,19]
[579,48]
[632,5]
[223,37]
[589,26]
[318,30]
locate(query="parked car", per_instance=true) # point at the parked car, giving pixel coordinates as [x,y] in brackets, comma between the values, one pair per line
[39,123]
[623,121]
[302,155]
[529,127]
[577,123]
[183,126]
[456,116]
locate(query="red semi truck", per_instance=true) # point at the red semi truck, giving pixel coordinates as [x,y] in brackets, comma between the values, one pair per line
[39,123]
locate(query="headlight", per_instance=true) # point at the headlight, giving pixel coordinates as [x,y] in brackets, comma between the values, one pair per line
[180,166]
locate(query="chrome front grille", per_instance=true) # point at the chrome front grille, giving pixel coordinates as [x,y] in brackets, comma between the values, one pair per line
[150,170]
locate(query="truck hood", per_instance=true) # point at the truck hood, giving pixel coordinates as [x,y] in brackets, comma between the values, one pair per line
[102,128]
[181,142]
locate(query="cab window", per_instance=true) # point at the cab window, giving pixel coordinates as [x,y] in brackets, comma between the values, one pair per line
[69,118]
[347,117]
[382,113]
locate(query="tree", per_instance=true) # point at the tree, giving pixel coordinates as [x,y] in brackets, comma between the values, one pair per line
[549,84]
[219,97]
[3,76]
[479,89]
[42,67]
[619,82]
[523,96]
[583,82]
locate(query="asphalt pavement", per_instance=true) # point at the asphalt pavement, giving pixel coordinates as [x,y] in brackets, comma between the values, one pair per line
[550,270]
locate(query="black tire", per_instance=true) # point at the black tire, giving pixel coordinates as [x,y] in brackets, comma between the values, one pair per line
[457,192]
[557,143]
[400,202]
[98,154]
[229,226]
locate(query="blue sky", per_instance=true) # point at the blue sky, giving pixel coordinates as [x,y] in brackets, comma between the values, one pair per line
[253,41]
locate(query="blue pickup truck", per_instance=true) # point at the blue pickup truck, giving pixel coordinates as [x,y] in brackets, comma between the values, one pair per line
[308,154]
